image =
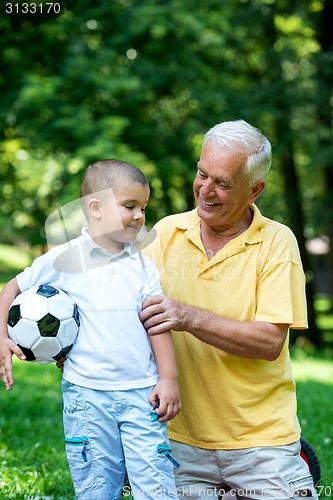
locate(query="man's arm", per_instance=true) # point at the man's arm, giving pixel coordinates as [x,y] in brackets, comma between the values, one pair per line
[166,392]
[246,339]
[7,346]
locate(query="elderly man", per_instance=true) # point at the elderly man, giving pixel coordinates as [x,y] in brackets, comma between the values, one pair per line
[234,285]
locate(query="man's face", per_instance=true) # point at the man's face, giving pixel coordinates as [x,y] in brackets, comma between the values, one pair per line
[221,188]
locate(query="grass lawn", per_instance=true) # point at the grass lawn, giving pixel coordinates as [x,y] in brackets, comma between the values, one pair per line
[12,261]
[32,451]
[314,379]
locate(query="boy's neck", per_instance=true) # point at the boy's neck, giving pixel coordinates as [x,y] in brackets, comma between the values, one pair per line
[113,247]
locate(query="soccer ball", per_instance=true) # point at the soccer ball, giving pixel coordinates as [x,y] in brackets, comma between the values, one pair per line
[44,322]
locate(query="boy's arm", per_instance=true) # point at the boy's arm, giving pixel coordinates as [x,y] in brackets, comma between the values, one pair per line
[7,346]
[166,392]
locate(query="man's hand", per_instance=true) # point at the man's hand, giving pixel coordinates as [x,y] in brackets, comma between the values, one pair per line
[160,314]
[7,349]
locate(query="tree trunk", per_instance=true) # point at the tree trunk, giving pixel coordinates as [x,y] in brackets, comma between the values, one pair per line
[324,112]
[284,141]
[296,222]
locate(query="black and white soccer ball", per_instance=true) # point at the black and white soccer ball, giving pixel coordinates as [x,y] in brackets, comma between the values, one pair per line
[44,322]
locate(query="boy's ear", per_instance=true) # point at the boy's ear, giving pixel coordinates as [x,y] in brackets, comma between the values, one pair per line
[94,208]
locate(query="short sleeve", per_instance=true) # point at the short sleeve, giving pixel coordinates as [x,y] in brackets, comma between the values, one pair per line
[41,271]
[281,296]
[152,285]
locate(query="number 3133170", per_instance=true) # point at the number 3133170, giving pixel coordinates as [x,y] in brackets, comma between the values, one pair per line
[33,8]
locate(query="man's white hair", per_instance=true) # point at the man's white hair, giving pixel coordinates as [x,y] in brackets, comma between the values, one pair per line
[239,134]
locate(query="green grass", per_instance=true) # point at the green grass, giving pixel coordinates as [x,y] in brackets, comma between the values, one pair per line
[13,258]
[32,451]
[314,381]
[12,261]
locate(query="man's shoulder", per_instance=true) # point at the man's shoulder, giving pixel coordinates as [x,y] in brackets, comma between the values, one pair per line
[277,229]
[159,237]
[183,220]
[279,239]
[270,228]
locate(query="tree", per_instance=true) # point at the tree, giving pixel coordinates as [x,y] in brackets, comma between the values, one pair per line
[144,81]
[323,21]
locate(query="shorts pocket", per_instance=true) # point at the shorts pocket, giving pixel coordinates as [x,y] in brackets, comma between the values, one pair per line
[166,451]
[86,474]
[302,484]
[80,442]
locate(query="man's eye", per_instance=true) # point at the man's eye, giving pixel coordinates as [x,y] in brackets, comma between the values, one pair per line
[223,186]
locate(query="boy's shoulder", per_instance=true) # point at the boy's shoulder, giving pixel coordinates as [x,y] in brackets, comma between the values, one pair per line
[70,257]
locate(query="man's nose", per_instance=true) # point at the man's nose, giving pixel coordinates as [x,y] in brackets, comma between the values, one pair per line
[207,187]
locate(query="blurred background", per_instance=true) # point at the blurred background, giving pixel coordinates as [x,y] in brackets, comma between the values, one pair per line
[143,81]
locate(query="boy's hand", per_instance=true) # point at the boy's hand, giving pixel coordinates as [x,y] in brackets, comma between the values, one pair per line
[60,363]
[7,349]
[166,396]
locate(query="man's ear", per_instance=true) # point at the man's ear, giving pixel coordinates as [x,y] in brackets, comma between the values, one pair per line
[257,188]
[94,208]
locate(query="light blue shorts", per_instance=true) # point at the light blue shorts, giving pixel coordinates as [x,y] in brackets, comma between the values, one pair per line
[105,429]
[272,472]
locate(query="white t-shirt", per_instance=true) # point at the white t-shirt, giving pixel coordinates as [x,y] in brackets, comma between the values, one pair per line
[112,350]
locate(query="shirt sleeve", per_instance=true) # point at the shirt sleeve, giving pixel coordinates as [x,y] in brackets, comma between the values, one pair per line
[152,285]
[40,272]
[280,296]
[281,284]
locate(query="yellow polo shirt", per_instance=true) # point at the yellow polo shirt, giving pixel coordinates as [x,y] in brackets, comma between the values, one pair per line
[231,402]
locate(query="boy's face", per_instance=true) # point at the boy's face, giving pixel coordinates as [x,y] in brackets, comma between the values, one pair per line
[121,214]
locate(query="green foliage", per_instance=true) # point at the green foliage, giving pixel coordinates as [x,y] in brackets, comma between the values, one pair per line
[12,261]
[144,81]
[32,451]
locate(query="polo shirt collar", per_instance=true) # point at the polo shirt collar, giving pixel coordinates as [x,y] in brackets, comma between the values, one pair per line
[95,250]
[253,234]
[190,223]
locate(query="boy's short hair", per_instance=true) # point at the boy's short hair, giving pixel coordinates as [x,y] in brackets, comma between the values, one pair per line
[106,174]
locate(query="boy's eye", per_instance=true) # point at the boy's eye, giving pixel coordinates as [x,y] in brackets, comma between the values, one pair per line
[132,207]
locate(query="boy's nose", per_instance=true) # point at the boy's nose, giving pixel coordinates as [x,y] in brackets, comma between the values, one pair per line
[138,215]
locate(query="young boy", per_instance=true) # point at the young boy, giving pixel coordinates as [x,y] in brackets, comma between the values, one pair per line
[119,387]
